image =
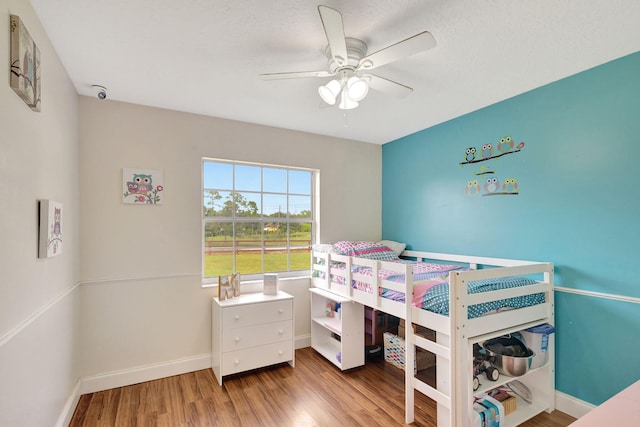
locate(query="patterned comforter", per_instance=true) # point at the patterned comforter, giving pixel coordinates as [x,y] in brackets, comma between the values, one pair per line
[431,289]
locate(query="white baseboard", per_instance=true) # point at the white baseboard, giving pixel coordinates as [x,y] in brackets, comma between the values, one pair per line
[91,384]
[94,383]
[69,407]
[139,374]
[302,341]
[572,406]
[125,377]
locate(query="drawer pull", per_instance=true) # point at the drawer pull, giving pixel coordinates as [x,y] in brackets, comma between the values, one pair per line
[281,311]
[237,317]
[280,352]
[237,339]
[280,332]
[237,362]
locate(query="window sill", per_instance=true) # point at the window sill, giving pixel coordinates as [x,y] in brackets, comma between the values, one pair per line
[256,285]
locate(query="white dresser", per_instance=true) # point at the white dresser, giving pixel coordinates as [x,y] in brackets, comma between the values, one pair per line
[251,331]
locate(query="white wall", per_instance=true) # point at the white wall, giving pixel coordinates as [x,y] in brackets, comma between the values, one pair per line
[39,298]
[143,307]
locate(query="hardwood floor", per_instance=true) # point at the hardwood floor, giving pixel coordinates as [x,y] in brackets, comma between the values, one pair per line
[314,393]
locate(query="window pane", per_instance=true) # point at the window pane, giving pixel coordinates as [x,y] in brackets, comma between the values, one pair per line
[275,180]
[300,246]
[299,182]
[217,203]
[300,206]
[218,175]
[247,204]
[218,248]
[248,178]
[275,256]
[275,205]
[249,247]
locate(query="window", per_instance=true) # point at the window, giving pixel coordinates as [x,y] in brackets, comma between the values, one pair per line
[256,218]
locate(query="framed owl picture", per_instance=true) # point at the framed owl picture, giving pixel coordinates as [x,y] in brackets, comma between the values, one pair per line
[51,227]
[142,186]
[25,64]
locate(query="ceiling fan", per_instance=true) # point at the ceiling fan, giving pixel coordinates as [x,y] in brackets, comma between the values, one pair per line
[349,64]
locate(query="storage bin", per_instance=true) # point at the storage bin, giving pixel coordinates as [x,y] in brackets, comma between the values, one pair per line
[394,354]
[537,339]
[394,350]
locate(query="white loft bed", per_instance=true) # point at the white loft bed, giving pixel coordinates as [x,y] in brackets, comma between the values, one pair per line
[456,333]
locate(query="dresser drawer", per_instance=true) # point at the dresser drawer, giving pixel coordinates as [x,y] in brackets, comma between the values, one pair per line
[256,357]
[257,335]
[254,314]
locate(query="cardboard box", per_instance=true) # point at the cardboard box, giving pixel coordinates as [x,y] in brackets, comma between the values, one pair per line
[417,329]
[509,401]
[425,359]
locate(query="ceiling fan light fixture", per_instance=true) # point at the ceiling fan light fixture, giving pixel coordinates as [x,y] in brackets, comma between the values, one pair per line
[346,103]
[330,91]
[357,88]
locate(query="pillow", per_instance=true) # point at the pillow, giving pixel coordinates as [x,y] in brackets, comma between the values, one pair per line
[343,247]
[324,248]
[396,247]
[369,250]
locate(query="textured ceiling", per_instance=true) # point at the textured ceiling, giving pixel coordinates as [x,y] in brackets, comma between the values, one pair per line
[204,56]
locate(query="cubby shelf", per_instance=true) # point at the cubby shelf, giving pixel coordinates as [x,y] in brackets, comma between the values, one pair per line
[340,339]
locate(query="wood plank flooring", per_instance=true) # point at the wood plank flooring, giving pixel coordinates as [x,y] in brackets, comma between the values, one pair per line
[314,393]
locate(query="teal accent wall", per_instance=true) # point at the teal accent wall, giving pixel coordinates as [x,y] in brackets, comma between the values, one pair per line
[578,206]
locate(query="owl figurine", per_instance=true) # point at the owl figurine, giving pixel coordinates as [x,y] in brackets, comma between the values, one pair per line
[510,185]
[487,151]
[491,185]
[473,187]
[505,144]
[470,154]
[141,184]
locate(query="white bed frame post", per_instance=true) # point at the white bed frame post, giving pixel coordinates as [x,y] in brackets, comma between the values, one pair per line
[549,278]
[463,352]
[409,349]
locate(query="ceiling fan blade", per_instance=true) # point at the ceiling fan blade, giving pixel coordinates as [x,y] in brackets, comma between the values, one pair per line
[418,43]
[334,30]
[387,86]
[295,75]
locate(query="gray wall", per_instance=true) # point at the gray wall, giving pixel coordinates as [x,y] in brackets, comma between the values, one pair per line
[142,299]
[39,298]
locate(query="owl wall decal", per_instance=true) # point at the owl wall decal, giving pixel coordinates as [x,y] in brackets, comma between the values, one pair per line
[510,185]
[473,187]
[57,218]
[487,150]
[491,185]
[470,154]
[141,184]
[505,144]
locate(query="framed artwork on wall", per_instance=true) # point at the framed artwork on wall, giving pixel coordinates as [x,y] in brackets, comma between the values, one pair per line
[50,239]
[25,64]
[142,186]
